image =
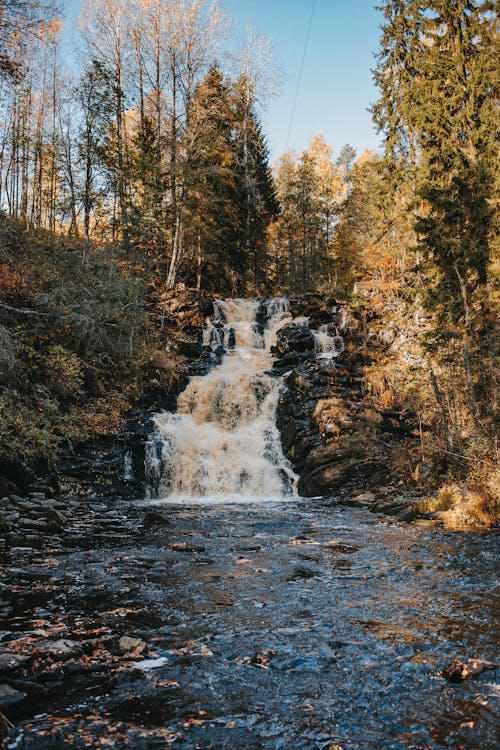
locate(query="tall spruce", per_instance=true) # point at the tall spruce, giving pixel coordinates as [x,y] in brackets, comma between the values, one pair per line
[257,186]
[438,77]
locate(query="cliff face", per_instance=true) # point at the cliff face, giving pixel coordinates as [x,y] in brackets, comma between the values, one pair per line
[332,431]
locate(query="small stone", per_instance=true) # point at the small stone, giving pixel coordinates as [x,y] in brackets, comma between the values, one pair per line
[127,645]
[9,695]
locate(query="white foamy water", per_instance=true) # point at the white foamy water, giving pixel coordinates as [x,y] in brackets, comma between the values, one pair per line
[328,346]
[222,443]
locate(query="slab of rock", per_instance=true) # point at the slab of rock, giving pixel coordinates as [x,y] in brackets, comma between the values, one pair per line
[8,695]
[61,649]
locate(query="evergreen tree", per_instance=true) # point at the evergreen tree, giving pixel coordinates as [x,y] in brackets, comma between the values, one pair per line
[438,77]
[254,174]
[96,103]
[213,205]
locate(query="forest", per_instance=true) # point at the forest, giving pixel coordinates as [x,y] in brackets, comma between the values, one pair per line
[143,169]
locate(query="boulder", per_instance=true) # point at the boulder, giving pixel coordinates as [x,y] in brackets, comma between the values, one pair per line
[294,338]
[8,695]
[331,477]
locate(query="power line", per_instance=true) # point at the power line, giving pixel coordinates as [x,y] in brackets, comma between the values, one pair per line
[300,74]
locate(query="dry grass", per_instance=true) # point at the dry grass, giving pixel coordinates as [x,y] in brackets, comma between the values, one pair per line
[458,506]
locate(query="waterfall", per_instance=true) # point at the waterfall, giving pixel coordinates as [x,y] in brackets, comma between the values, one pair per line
[328,345]
[222,442]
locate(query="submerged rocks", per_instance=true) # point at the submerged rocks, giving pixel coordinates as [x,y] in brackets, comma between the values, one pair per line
[459,671]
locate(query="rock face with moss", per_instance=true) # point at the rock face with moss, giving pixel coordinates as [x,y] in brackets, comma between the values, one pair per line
[334,433]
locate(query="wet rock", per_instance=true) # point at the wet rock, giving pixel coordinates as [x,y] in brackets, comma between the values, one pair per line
[8,695]
[459,671]
[406,515]
[331,477]
[185,547]
[367,497]
[55,517]
[221,598]
[10,661]
[127,645]
[302,572]
[189,346]
[16,499]
[262,658]
[153,518]
[127,675]
[32,523]
[294,338]
[61,649]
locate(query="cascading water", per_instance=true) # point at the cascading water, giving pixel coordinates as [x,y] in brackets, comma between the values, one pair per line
[222,443]
[328,345]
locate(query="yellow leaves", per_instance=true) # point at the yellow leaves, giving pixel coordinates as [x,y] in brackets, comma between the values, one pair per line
[50,30]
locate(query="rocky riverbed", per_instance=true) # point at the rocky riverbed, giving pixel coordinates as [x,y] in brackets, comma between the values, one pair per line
[296,625]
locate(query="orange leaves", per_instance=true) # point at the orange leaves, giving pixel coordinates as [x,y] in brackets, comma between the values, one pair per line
[10,282]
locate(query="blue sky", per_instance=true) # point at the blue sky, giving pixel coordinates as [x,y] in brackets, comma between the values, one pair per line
[336,87]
